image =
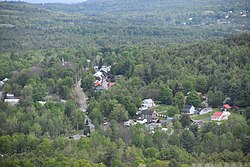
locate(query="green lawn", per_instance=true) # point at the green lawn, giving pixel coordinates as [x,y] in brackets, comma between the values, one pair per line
[162,109]
[205,116]
[202,117]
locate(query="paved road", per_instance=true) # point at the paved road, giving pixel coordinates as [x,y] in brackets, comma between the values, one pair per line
[81,97]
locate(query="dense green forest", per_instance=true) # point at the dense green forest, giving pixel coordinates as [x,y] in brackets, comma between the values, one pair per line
[48,50]
[114,23]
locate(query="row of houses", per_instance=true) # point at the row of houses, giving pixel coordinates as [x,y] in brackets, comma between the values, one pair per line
[101,75]
[190,109]
[152,121]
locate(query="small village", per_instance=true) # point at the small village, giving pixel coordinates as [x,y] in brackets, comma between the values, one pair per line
[157,120]
[148,114]
[154,120]
[124,83]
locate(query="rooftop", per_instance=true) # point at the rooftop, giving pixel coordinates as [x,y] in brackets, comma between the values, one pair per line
[147,112]
[217,114]
[227,106]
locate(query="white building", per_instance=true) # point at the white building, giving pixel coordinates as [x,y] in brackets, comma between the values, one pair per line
[12,101]
[129,123]
[220,116]
[10,96]
[147,103]
[189,109]
[205,110]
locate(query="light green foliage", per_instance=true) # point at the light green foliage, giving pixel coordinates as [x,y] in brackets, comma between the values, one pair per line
[179,100]
[172,110]
[87,82]
[96,116]
[193,99]
[151,152]
[138,135]
[165,95]
[119,113]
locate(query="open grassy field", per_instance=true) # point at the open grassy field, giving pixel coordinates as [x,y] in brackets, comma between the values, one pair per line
[202,117]
[161,109]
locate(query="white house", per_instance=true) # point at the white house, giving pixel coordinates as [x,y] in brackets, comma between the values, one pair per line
[10,96]
[220,116]
[98,74]
[189,109]
[5,79]
[11,101]
[141,121]
[205,110]
[147,103]
[105,69]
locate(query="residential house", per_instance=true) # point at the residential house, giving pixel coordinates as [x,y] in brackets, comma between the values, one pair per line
[105,69]
[220,116]
[11,101]
[5,79]
[146,104]
[150,115]
[141,121]
[10,98]
[98,83]
[205,110]
[226,107]
[189,109]
[98,75]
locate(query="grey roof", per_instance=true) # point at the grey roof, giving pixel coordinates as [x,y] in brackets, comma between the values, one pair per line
[147,112]
[187,107]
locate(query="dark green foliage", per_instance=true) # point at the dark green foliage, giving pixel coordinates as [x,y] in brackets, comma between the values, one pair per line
[215,98]
[107,24]
[185,120]
[187,140]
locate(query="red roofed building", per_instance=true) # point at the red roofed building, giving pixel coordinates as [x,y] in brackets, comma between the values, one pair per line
[98,83]
[227,107]
[220,116]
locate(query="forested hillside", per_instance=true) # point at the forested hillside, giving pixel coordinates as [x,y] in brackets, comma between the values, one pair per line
[121,53]
[115,23]
[219,67]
